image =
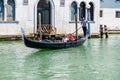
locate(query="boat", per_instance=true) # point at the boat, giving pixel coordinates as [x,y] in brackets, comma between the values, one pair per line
[50,44]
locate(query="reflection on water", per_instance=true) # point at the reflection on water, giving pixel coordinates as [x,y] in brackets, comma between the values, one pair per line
[58,64]
[97,59]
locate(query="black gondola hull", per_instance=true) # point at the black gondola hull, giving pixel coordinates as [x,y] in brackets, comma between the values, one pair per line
[52,45]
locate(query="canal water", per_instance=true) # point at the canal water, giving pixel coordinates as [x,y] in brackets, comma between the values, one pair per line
[97,59]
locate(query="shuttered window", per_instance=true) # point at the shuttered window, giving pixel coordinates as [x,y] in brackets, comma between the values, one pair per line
[117,14]
[101,13]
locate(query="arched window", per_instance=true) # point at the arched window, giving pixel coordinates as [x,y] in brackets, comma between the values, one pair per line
[73,10]
[11,10]
[82,10]
[1,10]
[91,11]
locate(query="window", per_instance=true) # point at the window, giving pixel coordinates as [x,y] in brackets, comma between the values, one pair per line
[91,11]
[62,3]
[10,10]
[1,10]
[117,14]
[82,10]
[117,0]
[101,13]
[73,10]
[25,2]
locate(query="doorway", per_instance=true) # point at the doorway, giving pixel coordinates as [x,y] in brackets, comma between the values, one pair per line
[47,21]
[44,8]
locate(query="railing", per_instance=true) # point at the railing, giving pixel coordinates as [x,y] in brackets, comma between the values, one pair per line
[48,29]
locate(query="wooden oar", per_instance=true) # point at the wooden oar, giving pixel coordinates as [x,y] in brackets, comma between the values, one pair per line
[76,30]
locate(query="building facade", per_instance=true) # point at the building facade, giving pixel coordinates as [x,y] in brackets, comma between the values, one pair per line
[110,14]
[15,14]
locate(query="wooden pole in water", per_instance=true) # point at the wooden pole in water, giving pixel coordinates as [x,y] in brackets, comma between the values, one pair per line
[76,26]
[39,26]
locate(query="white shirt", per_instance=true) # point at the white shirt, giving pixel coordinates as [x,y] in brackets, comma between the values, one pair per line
[64,39]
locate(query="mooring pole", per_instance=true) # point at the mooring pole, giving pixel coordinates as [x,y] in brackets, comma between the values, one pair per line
[39,26]
[88,18]
[76,26]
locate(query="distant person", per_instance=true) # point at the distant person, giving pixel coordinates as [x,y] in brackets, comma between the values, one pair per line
[106,31]
[65,38]
[83,23]
[101,31]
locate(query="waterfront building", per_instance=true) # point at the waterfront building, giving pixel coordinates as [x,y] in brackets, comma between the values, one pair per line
[15,14]
[110,14]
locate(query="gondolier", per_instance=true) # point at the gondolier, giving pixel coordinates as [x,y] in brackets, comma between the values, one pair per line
[83,23]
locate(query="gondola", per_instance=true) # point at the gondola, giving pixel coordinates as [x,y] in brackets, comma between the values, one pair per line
[49,44]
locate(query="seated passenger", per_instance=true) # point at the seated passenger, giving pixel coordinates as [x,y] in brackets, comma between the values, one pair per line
[64,39]
[38,37]
[71,37]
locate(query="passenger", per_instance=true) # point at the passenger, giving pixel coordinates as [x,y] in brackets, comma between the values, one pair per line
[71,37]
[38,37]
[65,38]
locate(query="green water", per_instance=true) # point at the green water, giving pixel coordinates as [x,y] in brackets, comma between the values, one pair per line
[97,59]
